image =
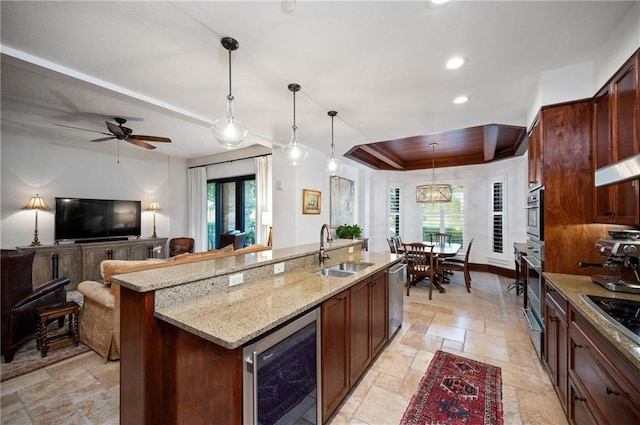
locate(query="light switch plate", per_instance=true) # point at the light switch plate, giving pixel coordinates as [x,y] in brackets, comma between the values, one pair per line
[235,279]
[350,249]
[278,268]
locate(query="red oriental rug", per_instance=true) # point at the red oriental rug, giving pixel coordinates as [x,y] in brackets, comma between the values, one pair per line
[457,391]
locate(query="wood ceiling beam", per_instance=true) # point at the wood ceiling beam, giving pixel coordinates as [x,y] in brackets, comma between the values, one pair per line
[490,142]
[384,156]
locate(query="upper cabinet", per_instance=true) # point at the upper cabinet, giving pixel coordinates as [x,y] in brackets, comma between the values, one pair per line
[535,153]
[616,130]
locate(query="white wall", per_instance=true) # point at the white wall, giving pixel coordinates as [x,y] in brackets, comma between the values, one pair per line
[34,162]
[475,179]
[583,80]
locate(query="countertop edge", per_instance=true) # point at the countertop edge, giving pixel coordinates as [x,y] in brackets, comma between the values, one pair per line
[570,286]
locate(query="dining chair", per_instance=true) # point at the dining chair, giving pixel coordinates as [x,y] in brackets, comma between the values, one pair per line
[419,259]
[458,265]
[392,245]
[440,238]
[399,245]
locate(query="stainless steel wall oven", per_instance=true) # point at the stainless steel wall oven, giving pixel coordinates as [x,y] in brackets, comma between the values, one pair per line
[535,214]
[281,373]
[534,308]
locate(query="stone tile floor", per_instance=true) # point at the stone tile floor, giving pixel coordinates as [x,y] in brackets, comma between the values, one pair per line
[485,325]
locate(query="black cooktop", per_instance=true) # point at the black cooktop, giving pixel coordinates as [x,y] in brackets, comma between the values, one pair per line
[623,314]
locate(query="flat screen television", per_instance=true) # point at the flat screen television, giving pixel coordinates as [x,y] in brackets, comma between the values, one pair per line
[96,219]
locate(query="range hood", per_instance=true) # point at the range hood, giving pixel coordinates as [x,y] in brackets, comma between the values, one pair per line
[618,172]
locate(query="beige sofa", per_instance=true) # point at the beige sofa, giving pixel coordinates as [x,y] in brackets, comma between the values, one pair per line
[99,322]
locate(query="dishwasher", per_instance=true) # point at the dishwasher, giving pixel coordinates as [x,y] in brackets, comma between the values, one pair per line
[397,280]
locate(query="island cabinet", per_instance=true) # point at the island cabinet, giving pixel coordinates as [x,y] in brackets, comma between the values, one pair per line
[354,330]
[604,385]
[616,136]
[555,341]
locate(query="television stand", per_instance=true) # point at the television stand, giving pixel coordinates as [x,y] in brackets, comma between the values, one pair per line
[120,238]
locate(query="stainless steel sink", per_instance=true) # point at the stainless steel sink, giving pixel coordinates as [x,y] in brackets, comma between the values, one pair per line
[333,272]
[350,267]
[345,269]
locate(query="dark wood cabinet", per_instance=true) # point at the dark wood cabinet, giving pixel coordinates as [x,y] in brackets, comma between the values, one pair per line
[555,341]
[335,351]
[535,155]
[360,333]
[354,330]
[604,384]
[616,136]
[379,312]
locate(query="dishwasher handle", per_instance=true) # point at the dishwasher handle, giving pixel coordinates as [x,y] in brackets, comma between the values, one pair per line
[397,268]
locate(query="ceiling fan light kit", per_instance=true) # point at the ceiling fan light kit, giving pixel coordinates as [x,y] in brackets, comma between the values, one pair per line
[227,130]
[334,165]
[434,193]
[296,152]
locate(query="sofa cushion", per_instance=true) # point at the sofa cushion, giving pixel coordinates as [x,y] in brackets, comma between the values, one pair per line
[97,292]
[207,254]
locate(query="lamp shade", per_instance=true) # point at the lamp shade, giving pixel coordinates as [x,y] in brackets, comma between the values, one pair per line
[154,206]
[36,203]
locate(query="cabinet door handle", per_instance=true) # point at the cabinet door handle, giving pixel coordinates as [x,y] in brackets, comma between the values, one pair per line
[339,298]
[610,391]
[578,398]
[553,318]
[576,345]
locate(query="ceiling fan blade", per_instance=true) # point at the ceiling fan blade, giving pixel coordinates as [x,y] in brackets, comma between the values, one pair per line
[84,129]
[140,143]
[104,139]
[115,129]
[151,138]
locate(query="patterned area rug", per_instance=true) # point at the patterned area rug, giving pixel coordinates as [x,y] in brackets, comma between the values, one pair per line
[28,358]
[457,391]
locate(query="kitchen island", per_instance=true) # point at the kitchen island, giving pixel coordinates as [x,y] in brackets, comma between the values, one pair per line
[181,353]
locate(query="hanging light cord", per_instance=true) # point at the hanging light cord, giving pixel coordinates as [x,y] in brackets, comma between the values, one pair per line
[332,144]
[295,139]
[230,96]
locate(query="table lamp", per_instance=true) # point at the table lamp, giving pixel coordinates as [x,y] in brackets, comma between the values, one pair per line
[36,203]
[154,206]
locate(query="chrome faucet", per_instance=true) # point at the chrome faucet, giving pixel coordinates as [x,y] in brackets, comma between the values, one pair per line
[321,254]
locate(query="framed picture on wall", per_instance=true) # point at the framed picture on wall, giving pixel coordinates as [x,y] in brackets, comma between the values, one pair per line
[311,201]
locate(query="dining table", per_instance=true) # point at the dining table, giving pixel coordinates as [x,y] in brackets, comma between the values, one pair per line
[440,251]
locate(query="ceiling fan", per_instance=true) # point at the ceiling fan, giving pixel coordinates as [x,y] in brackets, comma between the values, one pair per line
[120,132]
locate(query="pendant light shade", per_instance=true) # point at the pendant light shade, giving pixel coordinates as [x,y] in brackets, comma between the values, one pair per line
[433,193]
[295,152]
[334,166]
[229,131]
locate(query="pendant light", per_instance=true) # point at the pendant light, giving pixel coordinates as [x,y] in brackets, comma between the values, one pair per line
[295,152]
[433,193]
[229,131]
[333,165]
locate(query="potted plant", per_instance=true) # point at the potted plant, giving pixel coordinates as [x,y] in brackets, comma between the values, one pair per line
[349,232]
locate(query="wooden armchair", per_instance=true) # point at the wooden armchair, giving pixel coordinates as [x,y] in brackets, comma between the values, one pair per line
[456,264]
[440,238]
[420,263]
[180,246]
[20,299]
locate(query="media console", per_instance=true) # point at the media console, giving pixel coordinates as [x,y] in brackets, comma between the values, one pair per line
[81,261]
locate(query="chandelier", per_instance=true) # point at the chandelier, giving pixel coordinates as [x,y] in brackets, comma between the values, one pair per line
[433,193]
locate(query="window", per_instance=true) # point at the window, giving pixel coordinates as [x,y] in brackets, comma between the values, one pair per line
[394,212]
[231,205]
[497,216]
[446,217]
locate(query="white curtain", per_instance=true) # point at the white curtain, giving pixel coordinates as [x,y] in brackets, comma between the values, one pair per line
[197,187]
[264,197]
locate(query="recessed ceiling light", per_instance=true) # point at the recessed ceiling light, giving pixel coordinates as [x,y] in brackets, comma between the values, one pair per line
[460,99]
[439,1]
[455,62]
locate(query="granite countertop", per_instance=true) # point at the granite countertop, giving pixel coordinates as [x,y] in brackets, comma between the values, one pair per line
[166,277]
[570,286]
[233,318]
